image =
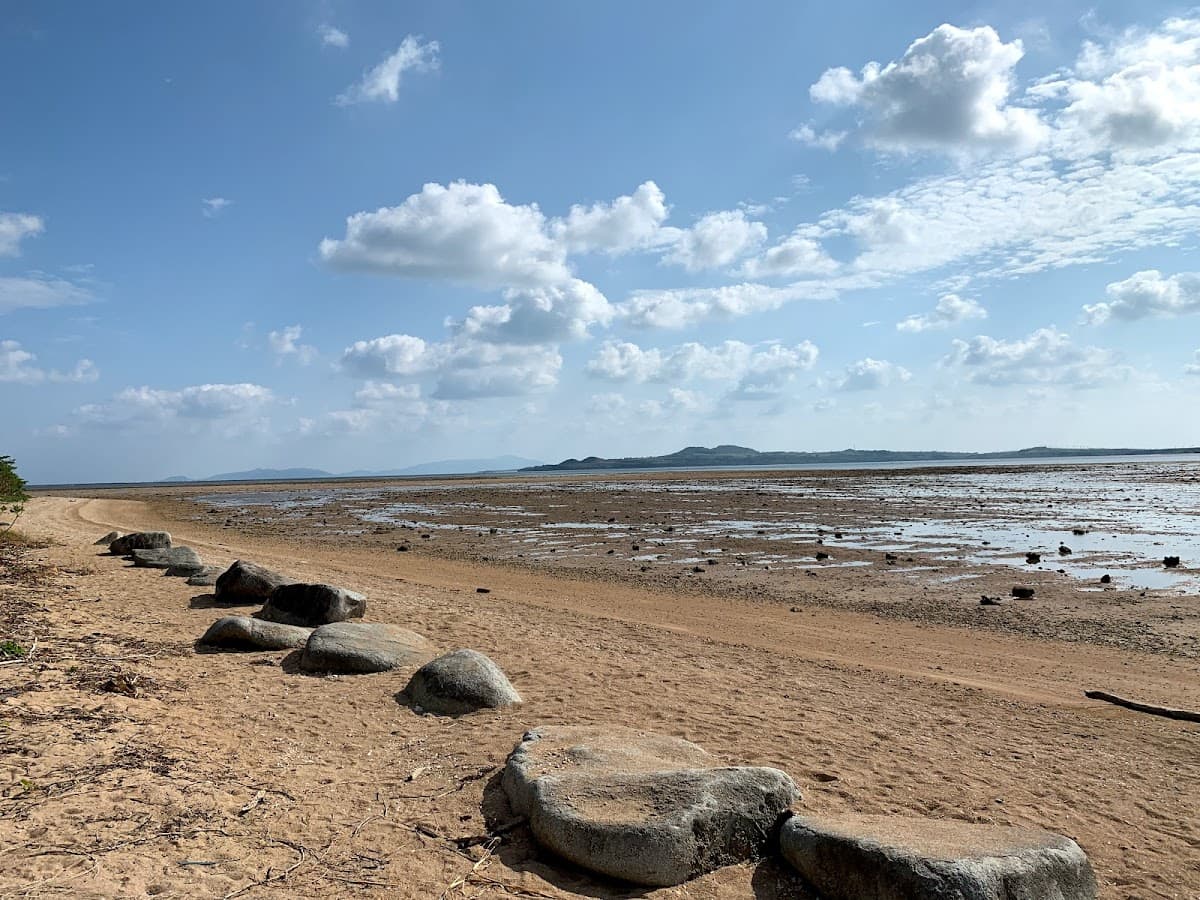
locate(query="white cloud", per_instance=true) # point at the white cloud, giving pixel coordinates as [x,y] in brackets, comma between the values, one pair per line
[1047,356]
[871,374]
[462,369]
[717,239]
[14,228]
[757,369]
[797,254]
[214,206]
[950,91]
[285,343]
[825,140]
[460,232]
[38,291]
[199,403]
[1193,368]
[382,83]
[951,310]
[19,366]
[631,222]
[333,37]
[679,308]
[375,393]
[1147,294]
[538,315]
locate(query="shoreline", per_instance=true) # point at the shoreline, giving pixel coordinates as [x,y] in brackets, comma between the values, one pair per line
[866,714]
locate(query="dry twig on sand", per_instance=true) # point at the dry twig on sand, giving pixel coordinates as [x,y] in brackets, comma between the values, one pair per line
[1167,712]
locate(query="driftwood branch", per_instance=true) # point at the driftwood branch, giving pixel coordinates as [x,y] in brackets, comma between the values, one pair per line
[1167,712]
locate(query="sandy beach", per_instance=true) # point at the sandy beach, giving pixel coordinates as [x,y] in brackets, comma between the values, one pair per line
[134,765]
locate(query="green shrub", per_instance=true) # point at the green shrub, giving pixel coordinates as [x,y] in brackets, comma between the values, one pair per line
[12,493]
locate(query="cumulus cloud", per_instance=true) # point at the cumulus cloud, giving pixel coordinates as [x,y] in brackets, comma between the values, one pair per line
[757,368]
[629,223]
[950,90]
[19,366]
[459,232]
[871,374]
[539,315]
[389,356]
[807,135]
[333,37]
[1147,294]
[717,239]
[38,291]
[797,254]
[286,344]
[211,207]
[951,310]
[679,308]
[1047,356]
[16,227]
[382,83]
[199,403]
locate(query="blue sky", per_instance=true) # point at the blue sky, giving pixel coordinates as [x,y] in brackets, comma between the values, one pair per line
[365,235]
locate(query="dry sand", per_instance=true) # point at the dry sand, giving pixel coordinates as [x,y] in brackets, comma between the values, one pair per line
[232,775]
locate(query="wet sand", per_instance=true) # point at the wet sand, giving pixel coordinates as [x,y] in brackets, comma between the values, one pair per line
[231,768]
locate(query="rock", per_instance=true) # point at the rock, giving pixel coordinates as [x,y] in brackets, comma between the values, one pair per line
[460,682]
[1033,558]
[313,605]
[179,558]
[853,857]
[139,540]
[1171,562]
[820,557]
[1078,530]
[989,601]
[642,807]
[107,539]
[1106,579]
[1064,550]
[244,631]
[206,577]
[363,647]
[245,582]
[1023,593]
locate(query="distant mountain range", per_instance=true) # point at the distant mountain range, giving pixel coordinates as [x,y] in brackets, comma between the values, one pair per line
[732,455]
[440,467]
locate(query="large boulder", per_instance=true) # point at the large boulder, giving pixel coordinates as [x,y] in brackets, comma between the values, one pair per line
[312,605]
[182,561]
[206,577]
[642,807]
[359,647]
[246,632]
[139,540]
[858,857]
[460,682]
[245,582]
[107,539]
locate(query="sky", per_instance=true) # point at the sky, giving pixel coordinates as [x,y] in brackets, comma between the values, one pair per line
[364,235]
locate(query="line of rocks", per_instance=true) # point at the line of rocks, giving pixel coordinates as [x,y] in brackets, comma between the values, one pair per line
[645,808]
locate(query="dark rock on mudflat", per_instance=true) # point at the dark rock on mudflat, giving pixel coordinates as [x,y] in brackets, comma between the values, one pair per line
[1064,550]
[1106,579]
[1171,562]
[245,582]
[1033,558]
[985,600]
[313,605]
[179,558]
[851,857]
[460,682]
[139,540]
[364,647]
[1023,593]
[107,539]
[206,577]
[244,631]
[642,807]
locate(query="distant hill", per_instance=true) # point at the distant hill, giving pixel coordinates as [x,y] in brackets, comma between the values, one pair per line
[269,475]
[440,467]
[733,455]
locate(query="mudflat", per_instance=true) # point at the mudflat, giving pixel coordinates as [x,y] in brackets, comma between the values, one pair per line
[135,765]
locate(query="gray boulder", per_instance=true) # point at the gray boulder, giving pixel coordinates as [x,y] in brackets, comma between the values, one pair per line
[460,682]
[363,647]
[641,807]
[107,539]
[245,582]
[184,560]
[139,540]
[206,577]
[312,605]
[245,632]
[853,857]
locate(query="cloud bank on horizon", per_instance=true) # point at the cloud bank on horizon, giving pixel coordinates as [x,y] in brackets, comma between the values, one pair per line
[437,272]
